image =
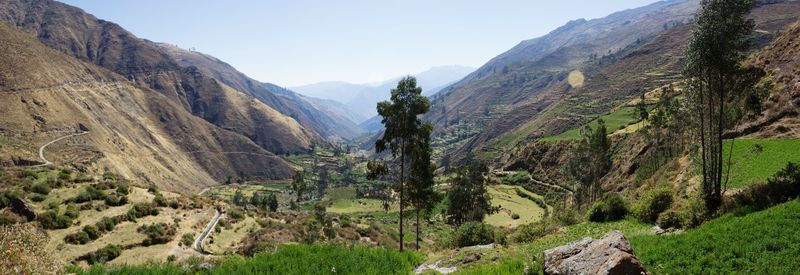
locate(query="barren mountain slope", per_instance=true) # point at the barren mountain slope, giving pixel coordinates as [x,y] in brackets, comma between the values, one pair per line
[135,132]
[70,30]
[306,111]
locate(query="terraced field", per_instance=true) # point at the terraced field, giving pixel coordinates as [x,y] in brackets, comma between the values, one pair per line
[619,119]
[755,160]
[513,205]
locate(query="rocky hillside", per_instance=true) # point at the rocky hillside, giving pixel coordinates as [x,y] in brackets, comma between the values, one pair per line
[195,88]
[136,132]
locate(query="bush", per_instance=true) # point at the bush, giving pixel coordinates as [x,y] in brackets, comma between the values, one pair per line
[29,174]
[37,197]
[473,233]
[159,200]
[157,233]
[611,208]
[90,194]
[123,189]
[142,210]
[41,188]
[515,216]
[52,220]
[187,239]
[64,175]
[116,200]
[71,211]
[616,207]
[649,206]
[597,212]
[669,219]
[103,255]
[236,214]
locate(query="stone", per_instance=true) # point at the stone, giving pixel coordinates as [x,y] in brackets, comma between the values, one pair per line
[611,254]
[474,257]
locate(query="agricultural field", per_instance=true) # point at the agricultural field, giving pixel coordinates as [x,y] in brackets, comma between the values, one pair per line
[293,259]
[514,209]
[617,120]
[755,160]
[764,242]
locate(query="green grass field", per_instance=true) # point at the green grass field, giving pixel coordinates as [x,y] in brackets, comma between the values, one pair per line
[765,242]
[293,259]
[616,120]
[516,258]
[511,203]
[756,160]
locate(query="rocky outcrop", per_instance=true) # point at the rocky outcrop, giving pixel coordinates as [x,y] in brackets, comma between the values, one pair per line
[611,254]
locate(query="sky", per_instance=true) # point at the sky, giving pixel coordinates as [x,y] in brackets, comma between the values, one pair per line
[297,42]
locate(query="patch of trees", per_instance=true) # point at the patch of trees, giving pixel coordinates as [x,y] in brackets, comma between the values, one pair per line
[102,255]
[265,200]
[468,198]
[718,83]
[589,162]
[158,233]
[318,228]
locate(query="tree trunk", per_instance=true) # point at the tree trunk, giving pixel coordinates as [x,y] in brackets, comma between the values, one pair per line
[402,182]
[417,228]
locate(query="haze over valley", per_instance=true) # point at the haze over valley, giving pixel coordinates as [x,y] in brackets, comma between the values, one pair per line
[402,137]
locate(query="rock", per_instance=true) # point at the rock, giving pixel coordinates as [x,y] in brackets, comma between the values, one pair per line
[611,254]
[471,258]
[82,127]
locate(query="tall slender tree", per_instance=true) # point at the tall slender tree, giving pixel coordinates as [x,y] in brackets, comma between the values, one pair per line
[715,75]
[590,160]
[420,176]
[402,125]
[299,184]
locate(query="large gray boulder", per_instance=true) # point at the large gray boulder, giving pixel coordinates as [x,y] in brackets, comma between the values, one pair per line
[611,254]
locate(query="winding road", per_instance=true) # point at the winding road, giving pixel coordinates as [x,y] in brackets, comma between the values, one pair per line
[198,243]
[41,149]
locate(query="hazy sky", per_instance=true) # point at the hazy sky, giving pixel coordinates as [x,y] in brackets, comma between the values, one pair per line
[294,42]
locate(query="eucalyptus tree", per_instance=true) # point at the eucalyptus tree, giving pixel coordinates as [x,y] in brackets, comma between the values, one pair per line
[401,127]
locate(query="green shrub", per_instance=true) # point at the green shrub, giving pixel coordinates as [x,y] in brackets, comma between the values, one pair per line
[159,200]
[64,175]
[520,177]
[515,216]
[123,189]
[616,207]
[142,210]
[81,178]
[473,233]
[29,174]
[116,200]
[187,239]
[649,206]
[669,219]
[90,194]
[103,255]
[597,212]
[157,233]
[236,214]
[611,208]
[37,197]
[41,188]
[71,211]
[52,220]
